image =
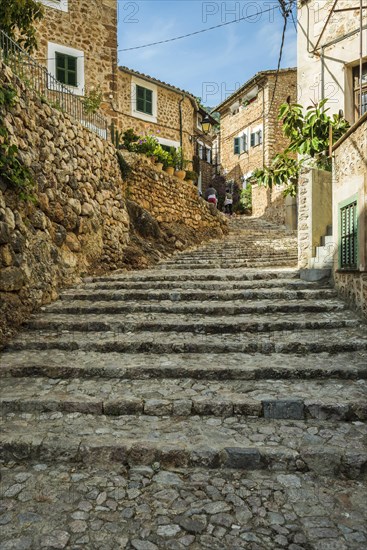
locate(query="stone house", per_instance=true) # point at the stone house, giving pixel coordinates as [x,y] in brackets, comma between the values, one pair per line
[173,116]
[251,135]
[332,214]
[77,41]
[328,57]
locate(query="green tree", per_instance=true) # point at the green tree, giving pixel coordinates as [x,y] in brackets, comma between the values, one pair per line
[309,136]
[17,18]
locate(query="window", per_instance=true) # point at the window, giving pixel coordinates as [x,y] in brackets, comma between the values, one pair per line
[66,65]
[144,100]
[66,69]
[244,143]
[348,253]
[356,86]
[199,121]
[256,138]
[237,146]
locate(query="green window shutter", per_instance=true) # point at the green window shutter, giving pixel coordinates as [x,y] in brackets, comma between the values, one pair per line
[149,101]
[252,140]
[144,100]
[348,236]
[260,136]
[237,146]
[66,69]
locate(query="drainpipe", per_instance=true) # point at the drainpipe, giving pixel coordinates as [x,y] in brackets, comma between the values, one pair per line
[322,59]
[263,89]
[181,130]
[360,55]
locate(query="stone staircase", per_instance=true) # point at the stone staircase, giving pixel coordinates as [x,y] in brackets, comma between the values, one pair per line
[216,401]
[324,254]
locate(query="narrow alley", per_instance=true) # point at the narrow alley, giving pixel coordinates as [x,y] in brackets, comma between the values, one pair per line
[215,401]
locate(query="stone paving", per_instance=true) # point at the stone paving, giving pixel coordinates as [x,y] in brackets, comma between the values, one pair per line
[200,404]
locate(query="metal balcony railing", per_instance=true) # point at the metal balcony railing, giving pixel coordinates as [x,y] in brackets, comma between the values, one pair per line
[47,87]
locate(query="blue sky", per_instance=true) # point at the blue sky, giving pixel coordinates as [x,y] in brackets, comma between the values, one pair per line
[214,63]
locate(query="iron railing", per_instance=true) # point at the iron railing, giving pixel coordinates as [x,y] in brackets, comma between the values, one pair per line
[47,87]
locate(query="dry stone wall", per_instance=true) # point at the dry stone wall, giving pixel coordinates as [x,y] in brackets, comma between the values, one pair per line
[170,200]
[80,222]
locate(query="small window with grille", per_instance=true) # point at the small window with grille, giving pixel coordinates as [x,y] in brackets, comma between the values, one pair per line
[348,236]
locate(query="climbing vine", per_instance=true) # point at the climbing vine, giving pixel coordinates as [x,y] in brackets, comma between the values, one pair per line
[12,170]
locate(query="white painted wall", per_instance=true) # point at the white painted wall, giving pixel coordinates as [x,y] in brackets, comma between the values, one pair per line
[339,58]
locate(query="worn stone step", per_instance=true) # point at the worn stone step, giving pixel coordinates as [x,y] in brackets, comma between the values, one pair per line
[230,264]
[323,447]
[147,507]
[304,342]
[246,274]
[85,307]
[288,284]
[289,399]
[198,294]
[63,364]
[228,324]
[233,255]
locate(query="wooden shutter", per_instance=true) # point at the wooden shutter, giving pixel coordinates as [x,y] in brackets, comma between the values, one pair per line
[237,146]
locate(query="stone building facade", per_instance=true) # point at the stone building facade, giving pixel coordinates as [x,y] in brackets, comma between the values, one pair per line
[77,42]
[329,66]
[150,106]
[349,215]
[251,135]
[328,45]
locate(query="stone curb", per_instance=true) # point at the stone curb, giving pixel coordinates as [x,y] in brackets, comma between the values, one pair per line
[320,460]
[293,409]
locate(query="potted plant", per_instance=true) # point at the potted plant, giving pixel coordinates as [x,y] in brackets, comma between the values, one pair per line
[191,176]
[130,140]
[179,163]
[147,145]
[170,161]
[160,156]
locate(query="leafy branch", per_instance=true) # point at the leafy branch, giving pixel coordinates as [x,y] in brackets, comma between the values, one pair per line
[17,19]
[309,136]
[12,170]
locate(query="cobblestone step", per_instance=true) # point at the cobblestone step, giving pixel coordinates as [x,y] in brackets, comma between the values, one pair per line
[229,265]
[180,387]
[199,275]
[228,324]
[234,255]
[304,342]
[291,399]
[86,307]
[152,508]
[63,364]
[323,447]
[288,284]
[198,294]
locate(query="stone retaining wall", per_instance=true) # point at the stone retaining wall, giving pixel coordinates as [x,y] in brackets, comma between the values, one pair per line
[80,221]
[170,200]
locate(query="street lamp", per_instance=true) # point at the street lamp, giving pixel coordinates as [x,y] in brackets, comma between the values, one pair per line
[206,124]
